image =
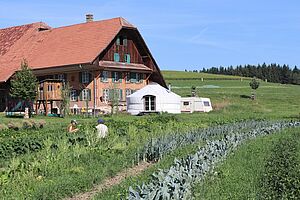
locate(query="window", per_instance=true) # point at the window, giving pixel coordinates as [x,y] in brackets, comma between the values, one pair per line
[73,95]
[85,77]
[116,94]
[206,103]
[120,92]
[85,95]
[186,103]
[140,77]
[127,77]
[59,77]
[125,41]
[128,92]
[117,77]
[104,76]
[118,41]
[149,102]
[127,58]
[136,77]
[105,95]
[50,87]
[133,77]
[121,40]
[116,57]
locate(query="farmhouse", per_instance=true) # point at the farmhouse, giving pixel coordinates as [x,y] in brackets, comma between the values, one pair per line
[94,57]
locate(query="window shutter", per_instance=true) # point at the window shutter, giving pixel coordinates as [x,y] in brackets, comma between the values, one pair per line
[80,77]
[127,58]
[89,94]
[116,57]
[121,95]
[80,95]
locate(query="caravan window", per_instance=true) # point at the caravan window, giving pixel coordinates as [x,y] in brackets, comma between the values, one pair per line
[206,103]
[149,103]
[186,103]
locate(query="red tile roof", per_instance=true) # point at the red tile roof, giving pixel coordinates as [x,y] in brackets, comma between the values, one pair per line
[75,44]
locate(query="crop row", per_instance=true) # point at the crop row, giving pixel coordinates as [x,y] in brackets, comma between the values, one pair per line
[176,182]
[156,148]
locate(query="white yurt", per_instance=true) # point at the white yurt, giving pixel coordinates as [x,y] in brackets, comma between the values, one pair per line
[153,98]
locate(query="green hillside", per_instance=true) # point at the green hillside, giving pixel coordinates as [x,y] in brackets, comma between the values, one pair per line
[170,74]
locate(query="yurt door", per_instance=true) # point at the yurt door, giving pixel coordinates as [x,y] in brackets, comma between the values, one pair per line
[149,103]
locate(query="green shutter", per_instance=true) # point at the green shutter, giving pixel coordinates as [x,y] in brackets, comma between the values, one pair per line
[127,58]
[121,95]
[89,94]
[116,57]
[80,77]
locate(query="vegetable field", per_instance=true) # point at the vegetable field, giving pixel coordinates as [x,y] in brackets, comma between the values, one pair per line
[230,153]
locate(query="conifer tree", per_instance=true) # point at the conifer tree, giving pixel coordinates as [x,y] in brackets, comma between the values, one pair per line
[23,83]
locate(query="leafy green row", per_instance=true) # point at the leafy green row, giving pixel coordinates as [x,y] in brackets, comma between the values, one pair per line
[281,179]
[176,182]
[158,147]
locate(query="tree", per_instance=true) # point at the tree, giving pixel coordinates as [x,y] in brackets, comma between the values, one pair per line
[254,84]
[23,84]
[65,94]
[114,97]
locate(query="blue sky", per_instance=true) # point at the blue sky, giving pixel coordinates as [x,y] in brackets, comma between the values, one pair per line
[185,34]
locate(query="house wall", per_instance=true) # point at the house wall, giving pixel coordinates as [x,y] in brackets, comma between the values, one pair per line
[96,84]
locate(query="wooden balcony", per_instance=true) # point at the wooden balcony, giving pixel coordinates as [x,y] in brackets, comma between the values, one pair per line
[49,89]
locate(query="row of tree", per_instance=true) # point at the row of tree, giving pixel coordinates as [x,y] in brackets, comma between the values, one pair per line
[273,72]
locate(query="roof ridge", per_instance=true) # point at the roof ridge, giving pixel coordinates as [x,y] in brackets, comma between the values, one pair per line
[34,23]
[82,23]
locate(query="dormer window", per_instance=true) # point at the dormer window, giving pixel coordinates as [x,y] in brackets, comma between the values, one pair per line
[122,41]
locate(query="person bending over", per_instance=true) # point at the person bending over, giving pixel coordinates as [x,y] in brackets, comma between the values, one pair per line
[102,129]
[72,128]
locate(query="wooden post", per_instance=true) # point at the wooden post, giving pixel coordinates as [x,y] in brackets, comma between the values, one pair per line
[46,97]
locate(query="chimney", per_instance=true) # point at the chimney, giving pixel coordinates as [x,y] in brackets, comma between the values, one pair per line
[89,17]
